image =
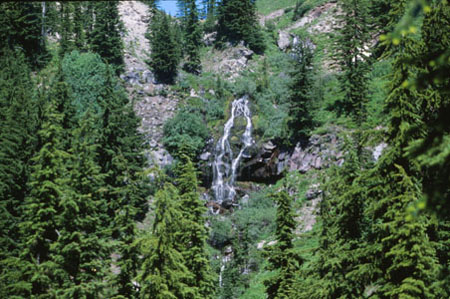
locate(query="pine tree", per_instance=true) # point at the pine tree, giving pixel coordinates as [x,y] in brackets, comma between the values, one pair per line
[405,256]
[105,36]
[78,25]
[66,43]
[210,15]
[300,119]
[341,242]
[402,251]
[193,233]
[237,22]
[164,274]
[164,56]
[282,256]
[193,40]
[120,157]
[433,80]
[82,250]
[350,47]
[20,24]
[18,113]
[49,186]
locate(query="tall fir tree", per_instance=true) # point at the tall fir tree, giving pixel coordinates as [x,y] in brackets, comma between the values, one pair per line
[341,242]
[282,256]
[193,37]
[165,52]
[105,37]
[210,15]
[350,54]
[120,156]
[300,118]
[18,122]
[237,22]
[82,249]
[49,186]
[432,79]
[193,233]
[164,274]
[66,43]
[21,28]
[403,254]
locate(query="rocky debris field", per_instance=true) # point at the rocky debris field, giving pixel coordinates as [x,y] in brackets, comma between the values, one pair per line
[150,104]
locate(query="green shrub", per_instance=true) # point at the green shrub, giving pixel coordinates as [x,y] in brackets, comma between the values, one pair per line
[187,129]
[86,75]
[221,232]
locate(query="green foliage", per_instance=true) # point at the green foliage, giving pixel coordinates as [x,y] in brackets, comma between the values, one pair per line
[187,129]
[40,227]
[86,75]
[105,37]
[282,256]
[165,52]
[353,35]
[300,118]
[221,232]
[18,122]
[164,274]
[193,37]
[237,22]
[193,232]
[21,28]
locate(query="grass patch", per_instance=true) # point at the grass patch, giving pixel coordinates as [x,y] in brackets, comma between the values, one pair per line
[267,6]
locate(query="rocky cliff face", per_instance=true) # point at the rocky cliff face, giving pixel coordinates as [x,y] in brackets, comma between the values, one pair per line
[152,103]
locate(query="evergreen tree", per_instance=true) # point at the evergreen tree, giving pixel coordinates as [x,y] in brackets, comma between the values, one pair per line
[341,242]
[282,256]
[433,80]
[164,56]
[210,15]
[120,157]
[49,186]
[66,43]
[18,113]
[404,255]
[235,278]
[78,25]
[105,38]
[300,119]
[351,42]
[193,233]
[164,274]
[193,40]
[81,250]
[21,28]
[237,22]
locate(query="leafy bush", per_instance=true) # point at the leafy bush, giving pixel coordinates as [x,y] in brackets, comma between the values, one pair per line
[221,232]
[86,75]
[258,216]
[186,130]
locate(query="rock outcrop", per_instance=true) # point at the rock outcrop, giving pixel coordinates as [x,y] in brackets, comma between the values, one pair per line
[270,162]
[230,62]
[152,104]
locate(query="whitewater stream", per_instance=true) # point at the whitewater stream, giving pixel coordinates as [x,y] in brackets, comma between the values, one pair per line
[225,164]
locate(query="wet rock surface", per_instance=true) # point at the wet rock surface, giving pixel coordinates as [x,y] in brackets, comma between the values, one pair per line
[269,162]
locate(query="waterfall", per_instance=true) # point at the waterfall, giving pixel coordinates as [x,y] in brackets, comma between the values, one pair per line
[225,165]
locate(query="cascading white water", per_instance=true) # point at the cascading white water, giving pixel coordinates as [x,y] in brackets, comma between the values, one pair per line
[225,166]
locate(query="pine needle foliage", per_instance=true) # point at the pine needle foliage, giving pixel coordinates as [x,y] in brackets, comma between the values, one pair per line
[165,52]
[164,274]
[236,22]
[282,256]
